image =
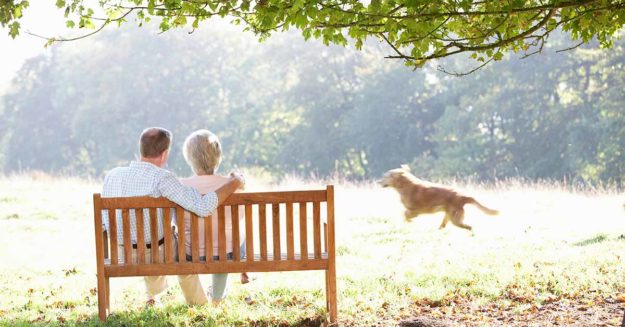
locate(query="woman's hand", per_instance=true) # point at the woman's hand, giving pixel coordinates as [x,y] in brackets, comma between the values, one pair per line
[237,175]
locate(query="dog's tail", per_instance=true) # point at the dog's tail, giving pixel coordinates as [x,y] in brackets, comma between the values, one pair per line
[486,210]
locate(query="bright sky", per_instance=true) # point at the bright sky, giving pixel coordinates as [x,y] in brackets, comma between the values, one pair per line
[43,18]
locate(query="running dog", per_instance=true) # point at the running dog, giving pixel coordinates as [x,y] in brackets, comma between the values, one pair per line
[421,197]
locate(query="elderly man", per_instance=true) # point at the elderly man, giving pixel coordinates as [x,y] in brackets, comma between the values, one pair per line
[147,177]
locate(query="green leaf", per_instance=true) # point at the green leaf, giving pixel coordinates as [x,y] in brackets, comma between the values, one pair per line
[14,29]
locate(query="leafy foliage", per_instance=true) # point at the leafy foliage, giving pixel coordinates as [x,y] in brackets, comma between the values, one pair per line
[289,106]
[415,30]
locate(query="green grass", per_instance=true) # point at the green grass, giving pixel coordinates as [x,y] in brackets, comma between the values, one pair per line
[548,245]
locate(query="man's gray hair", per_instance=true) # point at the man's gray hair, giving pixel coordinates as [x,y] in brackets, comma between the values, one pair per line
[202,151]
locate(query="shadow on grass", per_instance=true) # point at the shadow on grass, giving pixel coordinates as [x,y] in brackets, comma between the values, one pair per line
[158,318]
[594,240]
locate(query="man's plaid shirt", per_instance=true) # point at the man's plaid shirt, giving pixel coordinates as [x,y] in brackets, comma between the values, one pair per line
[143,178]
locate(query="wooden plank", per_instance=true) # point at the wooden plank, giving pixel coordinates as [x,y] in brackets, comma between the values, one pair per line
[275,216]
[214,267]
[108,294]
[99,253]
[234,199]
[180,224]
[331,273]
[249,233]
[290,243]
[208,238]
[105,236]
[325,237]
[221,233]
[154,236]
[275,197]
[127,240]
[303,231]
[169,242]
[236,243]
[262,230]
[140,222]
[317,229]
[136,202]
[114,242]
[195,238]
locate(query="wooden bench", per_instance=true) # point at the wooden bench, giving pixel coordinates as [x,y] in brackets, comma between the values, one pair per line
[308,247]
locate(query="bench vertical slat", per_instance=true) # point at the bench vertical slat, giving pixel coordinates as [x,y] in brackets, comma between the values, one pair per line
[208,238]
[140,222]
[127,241]
[262,230]
[105,236]
[236,243]
[221,217]
[114,242]
[195,238]
[154,236]
[169,244]
[325,237]
[249,233]
[289,232]
[275,215]
[303,231]
[99,253]
[317,229]
[180,224]
[331,272]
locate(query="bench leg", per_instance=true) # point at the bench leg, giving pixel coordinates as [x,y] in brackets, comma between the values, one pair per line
[331,294]
[102,297]
[108,295]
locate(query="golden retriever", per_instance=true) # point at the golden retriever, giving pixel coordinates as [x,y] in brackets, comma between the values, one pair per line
[421,197]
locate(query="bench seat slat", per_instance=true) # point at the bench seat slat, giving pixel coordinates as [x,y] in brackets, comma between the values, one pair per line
[216,267]
[257,258]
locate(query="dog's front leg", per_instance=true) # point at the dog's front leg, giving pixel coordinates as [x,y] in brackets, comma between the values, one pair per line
[410,214]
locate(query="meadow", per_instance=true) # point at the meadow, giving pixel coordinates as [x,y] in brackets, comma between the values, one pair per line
[554,256]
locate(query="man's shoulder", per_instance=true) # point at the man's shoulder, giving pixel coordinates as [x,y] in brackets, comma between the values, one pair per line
[117,170]
[138,168]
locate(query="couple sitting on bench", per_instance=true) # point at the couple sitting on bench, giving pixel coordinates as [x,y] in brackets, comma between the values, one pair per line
[200,194]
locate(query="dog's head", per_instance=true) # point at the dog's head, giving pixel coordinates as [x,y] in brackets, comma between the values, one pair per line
[395,177]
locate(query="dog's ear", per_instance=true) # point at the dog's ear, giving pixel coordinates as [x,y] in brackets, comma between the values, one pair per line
[405,167]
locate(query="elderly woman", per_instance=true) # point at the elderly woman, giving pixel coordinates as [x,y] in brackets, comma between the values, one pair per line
[202,151]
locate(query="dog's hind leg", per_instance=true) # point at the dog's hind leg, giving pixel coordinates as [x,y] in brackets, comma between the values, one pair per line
[457,218]
[445,220]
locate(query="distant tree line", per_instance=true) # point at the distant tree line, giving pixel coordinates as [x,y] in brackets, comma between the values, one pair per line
[289,106]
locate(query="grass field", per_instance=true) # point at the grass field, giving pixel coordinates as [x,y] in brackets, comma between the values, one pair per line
[553,256]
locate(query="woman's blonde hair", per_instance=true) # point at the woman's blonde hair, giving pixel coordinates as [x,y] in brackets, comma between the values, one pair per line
[202,151]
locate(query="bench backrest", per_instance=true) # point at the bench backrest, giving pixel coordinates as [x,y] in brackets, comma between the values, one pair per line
[288,230]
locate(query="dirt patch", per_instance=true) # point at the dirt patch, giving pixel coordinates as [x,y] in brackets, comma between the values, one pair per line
[608,312]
